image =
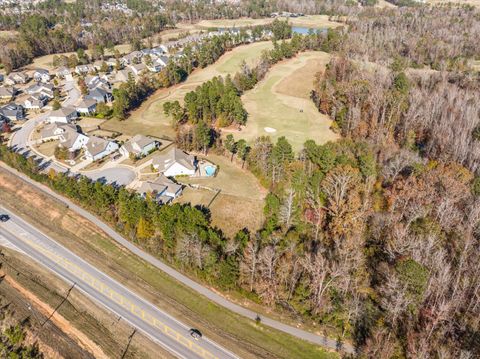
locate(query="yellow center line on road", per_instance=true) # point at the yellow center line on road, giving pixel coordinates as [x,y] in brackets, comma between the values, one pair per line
[120,299]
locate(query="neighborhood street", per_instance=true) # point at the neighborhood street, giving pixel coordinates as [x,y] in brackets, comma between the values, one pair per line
[156,324]
[21,138]
[119,176]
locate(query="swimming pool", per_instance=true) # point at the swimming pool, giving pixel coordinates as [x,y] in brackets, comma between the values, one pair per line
[210,170]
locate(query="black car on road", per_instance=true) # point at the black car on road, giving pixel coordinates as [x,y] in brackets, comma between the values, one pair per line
[4,217]
[195,333]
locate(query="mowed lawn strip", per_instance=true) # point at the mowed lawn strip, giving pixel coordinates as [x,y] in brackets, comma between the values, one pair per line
[237,333]
[279,104]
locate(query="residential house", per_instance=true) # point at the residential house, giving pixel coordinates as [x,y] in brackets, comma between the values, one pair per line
[87,106]
[63,115]
[13,112]
[16,78]
[52,131]
[98,65]
[158,64]
[41,89]
[35,102]
[137,68]
[41,75]
[63,72]
[138,146]
[7,93]
[73,140]
[84,69]
[134,57]
[93,82]
[122,75]
[162,189]
[99,95]
[97,148]
[175,163]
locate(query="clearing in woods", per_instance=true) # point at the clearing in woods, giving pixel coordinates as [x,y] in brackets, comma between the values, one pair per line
[149,118]
[280,104]
[313,21]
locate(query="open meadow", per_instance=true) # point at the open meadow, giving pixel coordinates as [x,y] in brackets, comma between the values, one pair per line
[312,21]
[280,104]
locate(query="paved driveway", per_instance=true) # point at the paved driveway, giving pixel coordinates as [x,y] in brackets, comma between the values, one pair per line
[117,176]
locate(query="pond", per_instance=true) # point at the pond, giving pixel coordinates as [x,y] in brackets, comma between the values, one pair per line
[305,30]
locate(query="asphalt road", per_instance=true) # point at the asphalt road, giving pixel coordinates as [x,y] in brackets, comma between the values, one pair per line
[156,324]
[119,176]
[299,333]
[20,138]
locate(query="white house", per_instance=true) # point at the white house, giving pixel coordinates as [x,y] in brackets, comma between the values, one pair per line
[17,78]
[138,145]
[87,106]
[7,93]
[35,102]
[84,69]
[137,68]
[41,75]
[73,140]
[97,148]
[162,189]
[175,163]
[63,115]
[158,64]
[52,131]
[63,72]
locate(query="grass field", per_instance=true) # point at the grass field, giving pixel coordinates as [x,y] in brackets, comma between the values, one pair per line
[313,21]
[280,105]
[149,118]
[240,201]
[241,335]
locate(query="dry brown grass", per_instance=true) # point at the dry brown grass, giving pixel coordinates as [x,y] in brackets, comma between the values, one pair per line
[313,21]
[233,213]
[240,201]
[47,148]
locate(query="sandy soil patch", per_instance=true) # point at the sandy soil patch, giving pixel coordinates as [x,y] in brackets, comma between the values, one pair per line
[59,320]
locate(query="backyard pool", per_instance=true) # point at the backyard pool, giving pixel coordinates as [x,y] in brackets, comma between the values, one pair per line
[210,170]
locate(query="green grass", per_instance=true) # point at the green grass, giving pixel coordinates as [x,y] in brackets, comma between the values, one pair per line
[292,115]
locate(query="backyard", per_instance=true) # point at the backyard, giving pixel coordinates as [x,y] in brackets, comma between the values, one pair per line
[239,203]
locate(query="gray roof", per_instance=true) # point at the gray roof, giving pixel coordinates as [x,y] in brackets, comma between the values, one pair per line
[86,103]
[96,145]
[164,161]
[49,129]
[63,112]
[137,143]
[159,185]
[69,136]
